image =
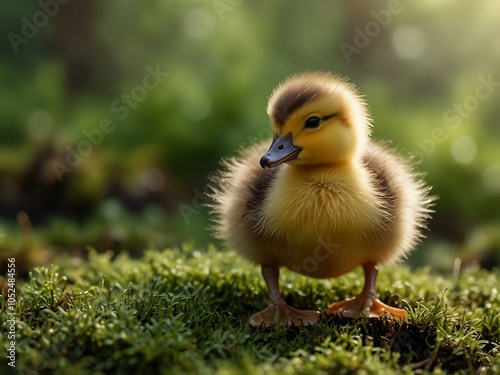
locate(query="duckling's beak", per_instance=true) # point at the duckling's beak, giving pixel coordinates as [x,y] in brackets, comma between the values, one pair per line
[282,150]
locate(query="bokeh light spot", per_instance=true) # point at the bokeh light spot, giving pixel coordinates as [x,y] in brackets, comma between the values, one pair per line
[197,109]
[152,179]
[408,42]
[198,24]
[111,209]
[464,149]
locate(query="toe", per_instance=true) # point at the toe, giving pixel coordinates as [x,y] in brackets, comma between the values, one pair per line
[379,308]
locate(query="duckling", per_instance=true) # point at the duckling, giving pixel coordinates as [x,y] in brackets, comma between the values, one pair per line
[323,190]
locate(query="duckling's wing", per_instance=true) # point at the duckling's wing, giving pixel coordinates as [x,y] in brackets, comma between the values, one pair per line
[238,195]
[404,195]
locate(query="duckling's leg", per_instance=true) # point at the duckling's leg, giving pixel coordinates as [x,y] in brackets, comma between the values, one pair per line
[286,314]
[366,304]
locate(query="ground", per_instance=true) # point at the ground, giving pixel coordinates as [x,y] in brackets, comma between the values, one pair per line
[185,311]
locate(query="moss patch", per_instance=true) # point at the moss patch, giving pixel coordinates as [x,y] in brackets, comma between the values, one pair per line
[186,311]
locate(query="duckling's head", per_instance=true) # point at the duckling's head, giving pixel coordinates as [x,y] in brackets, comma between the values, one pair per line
[318,118]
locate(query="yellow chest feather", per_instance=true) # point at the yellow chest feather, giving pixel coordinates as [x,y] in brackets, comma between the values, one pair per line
[305,205]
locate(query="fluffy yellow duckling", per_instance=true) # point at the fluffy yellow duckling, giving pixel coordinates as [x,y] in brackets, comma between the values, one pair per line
[324,192]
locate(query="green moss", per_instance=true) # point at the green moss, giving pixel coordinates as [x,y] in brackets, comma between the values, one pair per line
[186,311]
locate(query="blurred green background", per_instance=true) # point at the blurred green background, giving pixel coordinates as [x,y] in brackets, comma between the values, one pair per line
[113,113]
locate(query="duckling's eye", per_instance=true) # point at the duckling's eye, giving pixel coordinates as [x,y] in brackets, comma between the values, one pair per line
[312,122]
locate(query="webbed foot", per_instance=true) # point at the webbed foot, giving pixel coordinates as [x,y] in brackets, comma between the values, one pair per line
[283,314]
[367,303]
[364,305]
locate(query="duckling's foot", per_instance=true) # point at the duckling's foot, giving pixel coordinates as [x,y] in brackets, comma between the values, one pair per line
[283,314]
[364,305]
[278,311]
[367,303]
